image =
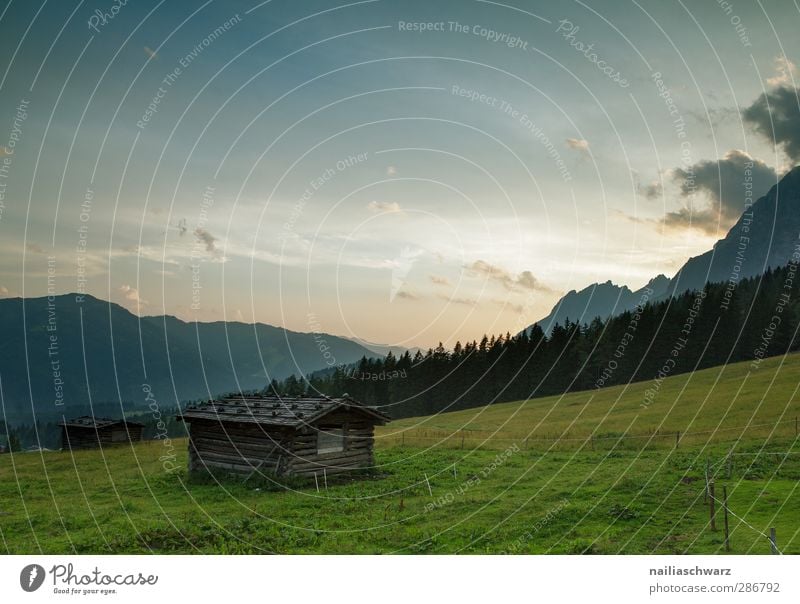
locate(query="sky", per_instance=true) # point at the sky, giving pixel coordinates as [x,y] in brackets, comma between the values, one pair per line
[400,172]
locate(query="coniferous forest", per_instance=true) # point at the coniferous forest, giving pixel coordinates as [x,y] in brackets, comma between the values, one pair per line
[725,323]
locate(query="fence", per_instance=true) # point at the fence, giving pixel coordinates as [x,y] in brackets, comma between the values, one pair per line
[655,439]
[711,498]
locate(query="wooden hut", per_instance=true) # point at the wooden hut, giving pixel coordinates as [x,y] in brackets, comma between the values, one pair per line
[282,436]
[90,432]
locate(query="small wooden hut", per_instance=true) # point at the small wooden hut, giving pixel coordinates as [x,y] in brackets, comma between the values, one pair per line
[90,432]
[282,436]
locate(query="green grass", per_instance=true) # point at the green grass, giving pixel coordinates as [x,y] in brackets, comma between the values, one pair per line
[724,403]
[547,497]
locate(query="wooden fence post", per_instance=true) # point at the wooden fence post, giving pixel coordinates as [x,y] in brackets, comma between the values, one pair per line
[725,509]
[729,468]
[773,541]
[712,508]
[677,438]
[705,494]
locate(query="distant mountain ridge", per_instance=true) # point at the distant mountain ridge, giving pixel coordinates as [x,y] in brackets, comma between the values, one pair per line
[43,348]
[764,237]
[602,300]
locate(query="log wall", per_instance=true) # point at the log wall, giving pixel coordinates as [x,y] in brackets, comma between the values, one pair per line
[74,437]
[238,447]
[247,448]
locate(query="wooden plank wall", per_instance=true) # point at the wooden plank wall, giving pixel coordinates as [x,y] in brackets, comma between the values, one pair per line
[242,448]
[237,448]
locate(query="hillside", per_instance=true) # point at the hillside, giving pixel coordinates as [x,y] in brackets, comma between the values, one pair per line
[720,404]
[103,345]
[430,495]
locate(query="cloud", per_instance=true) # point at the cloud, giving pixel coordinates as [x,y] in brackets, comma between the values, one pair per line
[517,308]
[132,294]
[578,144]
[6,151]
[438,280]
[152,54]
[391,171]
[723,183]
[34,248]
[389,207]
[776,116]
[784,72]
[653,190]
[525,280]
[401,266]
[207,239]
[406,295]
[4,291]
[462,301]
[182,227]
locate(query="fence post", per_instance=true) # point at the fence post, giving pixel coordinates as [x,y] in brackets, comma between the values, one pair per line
[705,494]
[773,541]
[677,438]
[712,508]
[725,509]
[728,465]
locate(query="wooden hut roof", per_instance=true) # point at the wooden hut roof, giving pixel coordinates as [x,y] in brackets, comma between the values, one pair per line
[286,411]
[88,421]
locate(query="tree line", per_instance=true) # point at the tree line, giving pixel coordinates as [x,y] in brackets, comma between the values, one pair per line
[741,320]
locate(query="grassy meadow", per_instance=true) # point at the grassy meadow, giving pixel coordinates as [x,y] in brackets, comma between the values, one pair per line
[549,475]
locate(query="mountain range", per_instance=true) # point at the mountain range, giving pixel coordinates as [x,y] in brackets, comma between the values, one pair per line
[765,236]
[53,348]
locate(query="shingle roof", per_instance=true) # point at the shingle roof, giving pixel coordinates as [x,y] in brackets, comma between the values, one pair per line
[87,421]
[287,411]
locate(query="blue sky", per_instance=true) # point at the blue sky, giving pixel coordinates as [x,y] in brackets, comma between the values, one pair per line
[316,165]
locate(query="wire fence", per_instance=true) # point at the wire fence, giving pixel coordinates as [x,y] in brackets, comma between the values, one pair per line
[569,440]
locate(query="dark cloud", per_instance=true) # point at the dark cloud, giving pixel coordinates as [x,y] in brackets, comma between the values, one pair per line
[207,239]
[406,295]
[776,115]
[723,182]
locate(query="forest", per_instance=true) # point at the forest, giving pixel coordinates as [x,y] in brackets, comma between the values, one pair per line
[739,320]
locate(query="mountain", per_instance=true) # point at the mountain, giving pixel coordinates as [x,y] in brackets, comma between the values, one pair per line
[764,237]
[53,347]
[601,300]
[381,350]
